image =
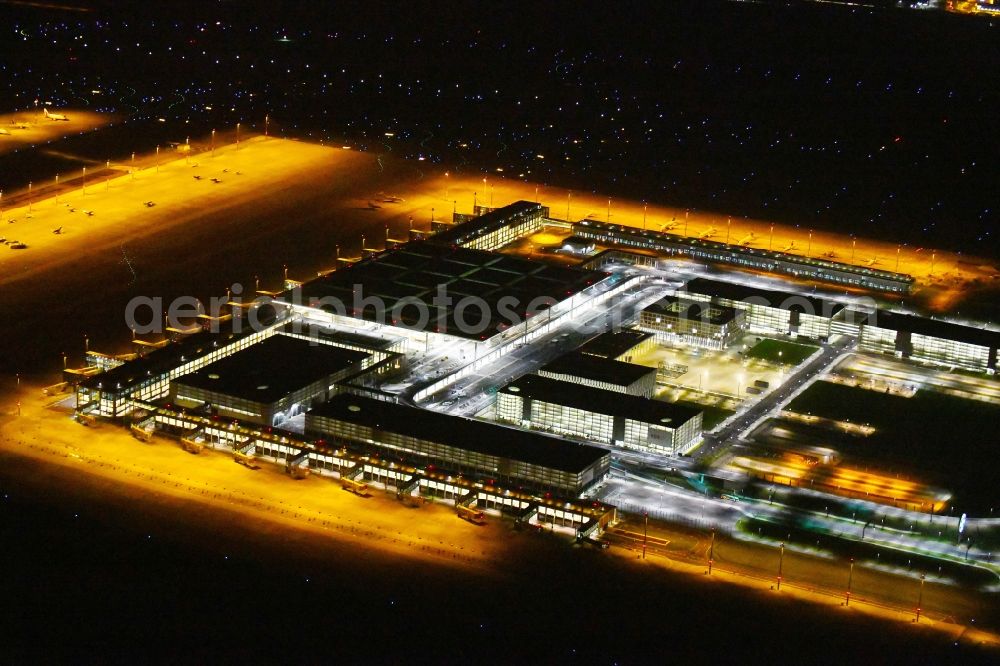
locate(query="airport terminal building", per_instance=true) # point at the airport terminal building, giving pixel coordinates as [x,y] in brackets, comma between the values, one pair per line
[496,228]
[684,321]
[461,445]
[594,414]
[923,339]
[270,382]
[768,311]
[604,373]
[431,294]
[739,256]
[621,345]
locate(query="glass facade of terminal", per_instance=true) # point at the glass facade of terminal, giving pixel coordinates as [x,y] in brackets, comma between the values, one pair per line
[502,470]
[496,228]
[926,348]
[596,426]
[645,386]
[672,325]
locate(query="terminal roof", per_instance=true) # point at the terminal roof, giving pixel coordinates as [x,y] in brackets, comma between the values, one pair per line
[936,328]
[270,370]
[601,401]
[738,250]
[387,288]
[785,300]
[685,308]
[486,223]
[595,368]
[164,359]
[613,344]
[462,433]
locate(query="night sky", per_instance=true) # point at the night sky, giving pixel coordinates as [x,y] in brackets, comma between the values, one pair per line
[879,122]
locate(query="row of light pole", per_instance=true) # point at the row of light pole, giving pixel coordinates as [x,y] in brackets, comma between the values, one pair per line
[780,575]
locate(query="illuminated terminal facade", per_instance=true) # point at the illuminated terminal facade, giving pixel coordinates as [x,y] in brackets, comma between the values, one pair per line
[692,322]
[923,339]
[270,382]
[597,415]
[430,294]
[621,345]
[768,311]
[602,373]
[460,445]
[493,229]
[798,266]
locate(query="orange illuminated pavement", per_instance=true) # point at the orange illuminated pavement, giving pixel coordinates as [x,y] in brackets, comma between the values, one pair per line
[378,522]
[26,128]
[167,190]
[845,481]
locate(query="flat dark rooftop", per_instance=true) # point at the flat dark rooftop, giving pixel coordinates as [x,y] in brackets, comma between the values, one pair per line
[601,401]
[163,359]
[598,369]
[485,223]
[934,327]
[779,299]
[338,337]
[462,433]
[613,344]
[700,311]
[268,371]
[413,273]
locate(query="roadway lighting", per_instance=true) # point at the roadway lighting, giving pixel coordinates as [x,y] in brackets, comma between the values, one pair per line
[83,183]
[213,143]
[729,224]
[781,562]
[132,170]
[770,241]
[609,210]
[267,119]
[854,245]
[157,159]
[809,247]
[920,597]
[568,195]
[850,580]
[237,136]
[57,191]
[446,186]
[711,553]
[644,206]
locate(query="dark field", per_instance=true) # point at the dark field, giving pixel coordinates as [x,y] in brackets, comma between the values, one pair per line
[947,440]
[91,576]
